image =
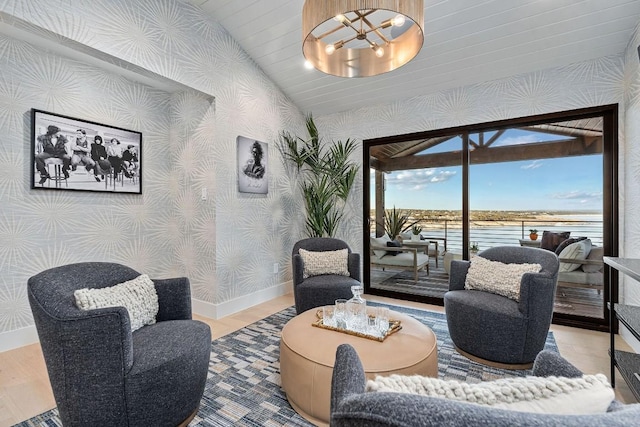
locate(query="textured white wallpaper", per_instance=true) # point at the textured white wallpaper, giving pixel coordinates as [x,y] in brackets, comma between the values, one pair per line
[226,245]
[42,229]
[630,174]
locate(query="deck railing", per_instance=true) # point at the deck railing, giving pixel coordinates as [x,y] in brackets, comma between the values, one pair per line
[489,233]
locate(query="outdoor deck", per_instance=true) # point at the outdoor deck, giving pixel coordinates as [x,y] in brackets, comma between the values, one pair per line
[575,301]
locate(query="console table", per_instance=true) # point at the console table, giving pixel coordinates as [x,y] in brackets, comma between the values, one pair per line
[627,363]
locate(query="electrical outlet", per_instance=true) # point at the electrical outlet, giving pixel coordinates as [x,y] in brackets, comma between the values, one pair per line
[203,194]
[276,268]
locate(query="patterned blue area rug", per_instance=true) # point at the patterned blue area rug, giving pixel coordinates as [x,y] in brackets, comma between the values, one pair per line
[243,386]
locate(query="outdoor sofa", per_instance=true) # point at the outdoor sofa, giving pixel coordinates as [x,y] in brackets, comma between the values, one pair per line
[402,257]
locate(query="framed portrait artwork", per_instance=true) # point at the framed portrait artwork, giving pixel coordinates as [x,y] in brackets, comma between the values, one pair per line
[252,166]
[80,155]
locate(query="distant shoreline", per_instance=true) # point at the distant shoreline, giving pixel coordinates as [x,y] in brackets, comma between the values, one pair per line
[431,218]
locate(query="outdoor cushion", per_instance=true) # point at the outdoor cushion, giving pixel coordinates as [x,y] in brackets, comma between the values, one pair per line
[550,240]
[595,254]
[393,244]
[566,243]
[577,251]
[403,259]
[379,242]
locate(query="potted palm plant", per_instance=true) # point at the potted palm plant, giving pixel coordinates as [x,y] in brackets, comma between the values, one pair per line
[396,222]
[325,175]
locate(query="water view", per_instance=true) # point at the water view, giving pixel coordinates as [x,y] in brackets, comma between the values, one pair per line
[489,229]
[498,228]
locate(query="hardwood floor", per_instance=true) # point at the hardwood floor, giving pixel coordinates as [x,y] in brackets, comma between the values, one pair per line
[25,390]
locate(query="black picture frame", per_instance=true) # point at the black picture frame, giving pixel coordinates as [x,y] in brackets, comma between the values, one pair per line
[253,165]
[64,158]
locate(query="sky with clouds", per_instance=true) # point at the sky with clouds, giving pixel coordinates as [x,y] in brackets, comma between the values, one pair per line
[565,184]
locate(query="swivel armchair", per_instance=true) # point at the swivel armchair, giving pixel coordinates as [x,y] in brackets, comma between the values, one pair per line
[102,373]
[353,406]
[317,291]
[496,330]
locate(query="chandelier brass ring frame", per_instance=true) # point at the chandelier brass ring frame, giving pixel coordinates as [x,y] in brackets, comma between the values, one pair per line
[349,38]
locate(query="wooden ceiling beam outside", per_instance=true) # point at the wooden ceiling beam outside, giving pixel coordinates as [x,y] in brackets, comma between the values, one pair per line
[424,145]
[556,129]
[481,142]
[535,151]
[495,137]
[409,150]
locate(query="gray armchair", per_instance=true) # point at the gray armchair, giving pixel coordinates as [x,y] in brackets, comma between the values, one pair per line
[492,328]
[351,406]
[101,373]
[317,291]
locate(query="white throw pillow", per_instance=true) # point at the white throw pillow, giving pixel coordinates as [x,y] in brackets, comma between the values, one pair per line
[379,242]
[497,277]
[325,262]
[595,254]
[138,296]
[589,394]
[578,250]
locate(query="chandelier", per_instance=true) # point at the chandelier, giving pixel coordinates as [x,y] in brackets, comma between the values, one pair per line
[349,38]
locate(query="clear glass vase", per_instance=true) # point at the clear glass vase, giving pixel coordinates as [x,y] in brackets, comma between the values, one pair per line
[357,310]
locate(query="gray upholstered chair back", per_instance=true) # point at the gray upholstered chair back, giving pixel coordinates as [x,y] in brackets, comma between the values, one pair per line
[53,289]
[318,244]
[351,406]
[522,254]
[53,305]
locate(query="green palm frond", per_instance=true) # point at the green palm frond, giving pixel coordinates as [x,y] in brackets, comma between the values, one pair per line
[327,176]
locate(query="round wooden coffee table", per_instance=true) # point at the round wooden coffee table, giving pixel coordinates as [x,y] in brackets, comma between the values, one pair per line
[307,356]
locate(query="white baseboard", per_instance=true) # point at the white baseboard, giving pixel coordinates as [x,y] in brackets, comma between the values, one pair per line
[217,311]
[18,338]
[25,336]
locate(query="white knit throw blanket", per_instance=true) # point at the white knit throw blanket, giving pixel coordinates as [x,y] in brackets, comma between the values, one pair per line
[508,390]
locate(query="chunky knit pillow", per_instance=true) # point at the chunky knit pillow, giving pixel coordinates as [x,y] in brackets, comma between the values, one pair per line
[325,262]
[589,394]
[138,296]
[497,277]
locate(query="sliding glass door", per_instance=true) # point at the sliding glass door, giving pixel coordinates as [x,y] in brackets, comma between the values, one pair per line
[467,189]
[426,198]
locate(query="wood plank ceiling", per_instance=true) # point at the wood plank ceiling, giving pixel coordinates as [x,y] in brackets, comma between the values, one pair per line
[466,42]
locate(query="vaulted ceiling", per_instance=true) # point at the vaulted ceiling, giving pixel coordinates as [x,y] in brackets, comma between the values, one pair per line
[466,42]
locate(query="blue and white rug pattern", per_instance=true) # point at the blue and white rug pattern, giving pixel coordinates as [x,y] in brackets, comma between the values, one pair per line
[243,385]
